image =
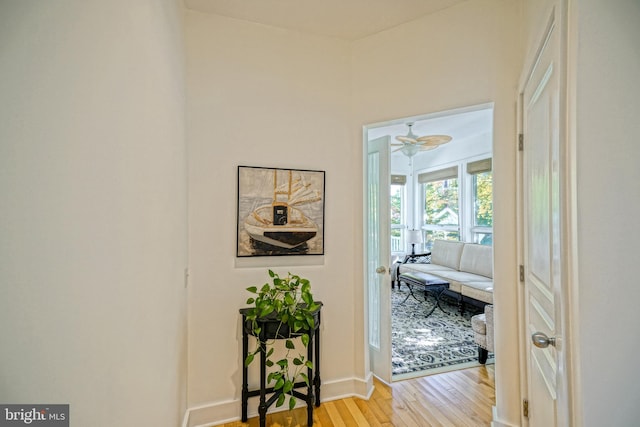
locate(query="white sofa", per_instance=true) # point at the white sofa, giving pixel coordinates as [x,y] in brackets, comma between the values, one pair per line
[468,267]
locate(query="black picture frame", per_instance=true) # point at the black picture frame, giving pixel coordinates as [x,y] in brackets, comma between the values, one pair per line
[280,212]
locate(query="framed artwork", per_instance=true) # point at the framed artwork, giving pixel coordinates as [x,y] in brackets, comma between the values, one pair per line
[280,212]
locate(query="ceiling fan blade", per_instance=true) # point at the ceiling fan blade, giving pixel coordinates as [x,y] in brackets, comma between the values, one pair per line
[397,149]
[428,147]
[407,139]
[434,140]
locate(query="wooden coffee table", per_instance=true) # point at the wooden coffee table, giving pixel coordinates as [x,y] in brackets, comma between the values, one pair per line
[430,284]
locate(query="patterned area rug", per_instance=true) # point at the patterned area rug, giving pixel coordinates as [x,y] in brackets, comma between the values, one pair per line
[439,343]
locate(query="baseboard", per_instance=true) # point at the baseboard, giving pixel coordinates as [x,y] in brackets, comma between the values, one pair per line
[216,413]
[496,423]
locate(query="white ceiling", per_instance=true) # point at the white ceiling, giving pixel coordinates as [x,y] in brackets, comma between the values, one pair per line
[346,19]
[462,125]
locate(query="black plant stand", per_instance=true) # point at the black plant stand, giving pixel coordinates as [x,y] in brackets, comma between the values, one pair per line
[269,330]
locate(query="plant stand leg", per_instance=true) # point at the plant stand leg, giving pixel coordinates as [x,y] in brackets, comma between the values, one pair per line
[245,380]
[262,407]
[316,362]
[309,399]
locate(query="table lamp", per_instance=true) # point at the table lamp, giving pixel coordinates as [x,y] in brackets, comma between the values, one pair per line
[414,237]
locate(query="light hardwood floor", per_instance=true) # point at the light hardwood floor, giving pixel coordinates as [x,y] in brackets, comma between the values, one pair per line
[456,399]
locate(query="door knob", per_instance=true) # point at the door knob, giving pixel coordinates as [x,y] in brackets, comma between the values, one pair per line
[381,270]
[541,340]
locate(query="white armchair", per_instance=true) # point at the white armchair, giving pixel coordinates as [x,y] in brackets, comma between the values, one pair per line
[482,325]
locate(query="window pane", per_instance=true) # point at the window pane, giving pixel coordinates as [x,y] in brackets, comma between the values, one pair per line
[397,218]
[483,238]
[431,235]
[441,202]
[483,200]
[441,210]
[396,204]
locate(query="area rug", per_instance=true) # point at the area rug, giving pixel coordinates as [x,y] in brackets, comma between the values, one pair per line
[427,345]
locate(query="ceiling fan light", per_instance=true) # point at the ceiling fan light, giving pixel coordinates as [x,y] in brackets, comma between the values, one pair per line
[410,150]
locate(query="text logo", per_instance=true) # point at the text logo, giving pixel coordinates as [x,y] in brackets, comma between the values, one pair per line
[34,415]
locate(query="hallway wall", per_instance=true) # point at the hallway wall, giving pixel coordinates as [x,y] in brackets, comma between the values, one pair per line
[93,209]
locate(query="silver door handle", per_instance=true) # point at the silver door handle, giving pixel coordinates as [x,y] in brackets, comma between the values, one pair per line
[541,340]
[381,270]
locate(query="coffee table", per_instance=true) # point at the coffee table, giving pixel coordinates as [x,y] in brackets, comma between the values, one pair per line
[430,283]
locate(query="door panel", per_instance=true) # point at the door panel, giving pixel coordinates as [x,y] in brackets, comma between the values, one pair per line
[542,233]
[378,231]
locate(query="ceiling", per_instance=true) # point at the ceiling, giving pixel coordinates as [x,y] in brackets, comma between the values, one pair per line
[463,124]
[345,19]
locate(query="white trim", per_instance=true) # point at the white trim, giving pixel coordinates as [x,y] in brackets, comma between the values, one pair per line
[572,317]
[522,337]
[421,117]
[216,413]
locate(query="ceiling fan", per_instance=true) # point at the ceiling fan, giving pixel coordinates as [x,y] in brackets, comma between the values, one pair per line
[411,144]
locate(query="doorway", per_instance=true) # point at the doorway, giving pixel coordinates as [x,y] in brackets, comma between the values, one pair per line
[471,130]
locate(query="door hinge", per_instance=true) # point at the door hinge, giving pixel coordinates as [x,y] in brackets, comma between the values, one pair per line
[525,408]
[520,142]
[186,277]
[522,273]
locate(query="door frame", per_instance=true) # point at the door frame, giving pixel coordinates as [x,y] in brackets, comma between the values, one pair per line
[560,13]
[365,141]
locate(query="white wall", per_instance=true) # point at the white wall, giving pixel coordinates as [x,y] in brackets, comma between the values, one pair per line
[93,209]
[261,96]
[608,185]
[465,55]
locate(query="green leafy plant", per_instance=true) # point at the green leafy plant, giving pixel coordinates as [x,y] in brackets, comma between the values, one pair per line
[289,301]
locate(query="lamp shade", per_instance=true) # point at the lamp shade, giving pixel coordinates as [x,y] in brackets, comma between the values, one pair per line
[414,236]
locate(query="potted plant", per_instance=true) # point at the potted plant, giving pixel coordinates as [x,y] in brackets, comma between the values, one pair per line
[288,304]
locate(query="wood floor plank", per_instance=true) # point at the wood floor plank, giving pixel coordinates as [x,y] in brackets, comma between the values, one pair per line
[436,407]
[467,395]
[356,413]
[480,393]
[452,399]
[373,412]
[334,414]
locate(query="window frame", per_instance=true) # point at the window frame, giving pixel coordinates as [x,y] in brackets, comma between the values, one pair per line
[466,229]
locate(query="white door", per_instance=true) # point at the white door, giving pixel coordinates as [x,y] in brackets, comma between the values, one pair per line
[543,194]
[378,235]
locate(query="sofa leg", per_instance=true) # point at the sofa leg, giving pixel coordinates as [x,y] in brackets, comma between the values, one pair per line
[482,355]
[461,306]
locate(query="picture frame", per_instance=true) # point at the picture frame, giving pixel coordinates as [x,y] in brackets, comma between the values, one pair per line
[280,212]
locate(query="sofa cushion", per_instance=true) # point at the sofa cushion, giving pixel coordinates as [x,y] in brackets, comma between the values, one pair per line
[436,270]
[477,259]
[461,276]
[447,253]
[481,291]
[424,268]
[457,279]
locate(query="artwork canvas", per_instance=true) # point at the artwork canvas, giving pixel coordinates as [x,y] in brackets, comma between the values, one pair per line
[280,212]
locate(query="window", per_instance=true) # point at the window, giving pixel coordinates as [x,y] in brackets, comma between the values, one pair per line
[398,217]
[482,193]
[458,206]
[440,198]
